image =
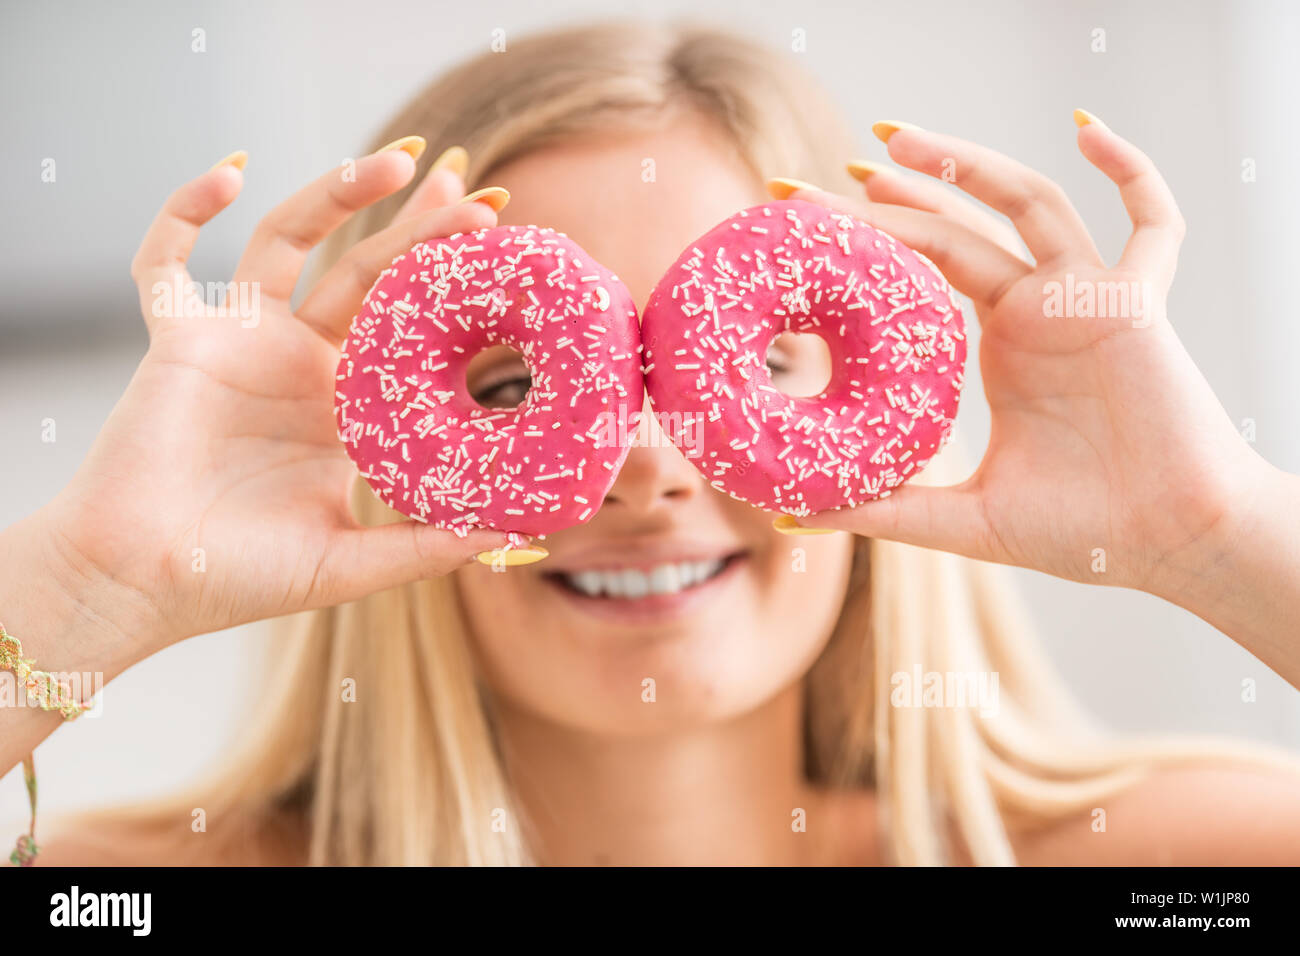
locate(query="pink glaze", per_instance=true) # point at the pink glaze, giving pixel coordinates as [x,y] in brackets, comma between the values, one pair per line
[897,342]
[426,447]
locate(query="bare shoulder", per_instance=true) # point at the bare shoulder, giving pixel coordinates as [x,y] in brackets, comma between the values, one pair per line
[108,840]
[1226,814]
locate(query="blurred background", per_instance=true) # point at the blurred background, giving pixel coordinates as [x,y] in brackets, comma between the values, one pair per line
[110,106]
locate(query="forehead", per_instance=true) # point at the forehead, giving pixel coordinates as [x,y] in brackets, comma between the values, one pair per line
[633,199]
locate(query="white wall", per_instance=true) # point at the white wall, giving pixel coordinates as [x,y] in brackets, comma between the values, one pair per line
[113,93]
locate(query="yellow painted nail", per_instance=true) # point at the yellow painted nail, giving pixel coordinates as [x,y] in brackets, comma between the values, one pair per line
[454,158]
[412,145]
[512,557]
[887,128]
[1083,118]
[781,187]
[860,169]
[494,196]
[788,524]
[238,159]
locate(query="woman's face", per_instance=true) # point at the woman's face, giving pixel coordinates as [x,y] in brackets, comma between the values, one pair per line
[735,611]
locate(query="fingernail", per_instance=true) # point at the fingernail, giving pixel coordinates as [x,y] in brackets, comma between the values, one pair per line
[860,169]
[788,524]
[512,557]
[1083,118]
[494,196]
[412,145]
[887,128]
[238,159]
[454,158]
[781,187]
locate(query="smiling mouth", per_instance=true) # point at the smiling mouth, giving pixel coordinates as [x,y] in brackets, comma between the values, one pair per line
[632,584]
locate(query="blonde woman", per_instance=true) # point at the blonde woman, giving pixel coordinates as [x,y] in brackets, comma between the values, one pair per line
[502,718]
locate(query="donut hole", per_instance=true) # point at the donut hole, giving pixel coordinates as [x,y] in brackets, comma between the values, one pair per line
[498,378]
[800,363]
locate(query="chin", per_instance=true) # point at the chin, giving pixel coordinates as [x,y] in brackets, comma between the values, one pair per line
[621,645]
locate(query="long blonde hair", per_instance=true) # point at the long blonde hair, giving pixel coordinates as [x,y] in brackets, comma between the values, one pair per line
[411,773]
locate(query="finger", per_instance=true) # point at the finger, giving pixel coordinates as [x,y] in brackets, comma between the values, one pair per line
[973,264]
[885,185]
[278,249]
[159,264]
[946,519]
[1037,206]
[442,185]
[365,560]
[1158,226]
[336,298]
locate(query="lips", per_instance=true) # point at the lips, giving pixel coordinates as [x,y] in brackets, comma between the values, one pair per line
[633,583]
[700,585]
[633,571]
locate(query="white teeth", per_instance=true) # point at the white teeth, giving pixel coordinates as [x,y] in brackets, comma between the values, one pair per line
[630,583]
[588,582]
[635,584]
[665,579]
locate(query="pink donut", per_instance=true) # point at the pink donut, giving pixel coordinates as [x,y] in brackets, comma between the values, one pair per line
[426,447]
[897,341]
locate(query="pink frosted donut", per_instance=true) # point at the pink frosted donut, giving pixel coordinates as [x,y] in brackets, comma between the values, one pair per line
[897,341]
[426,447]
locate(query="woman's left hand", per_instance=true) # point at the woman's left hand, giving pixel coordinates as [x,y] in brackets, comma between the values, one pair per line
[1110,460]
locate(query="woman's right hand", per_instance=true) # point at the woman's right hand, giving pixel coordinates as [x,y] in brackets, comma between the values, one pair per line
[218,491]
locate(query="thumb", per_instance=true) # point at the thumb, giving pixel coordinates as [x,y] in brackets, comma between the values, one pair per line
[361,561]
[946,519]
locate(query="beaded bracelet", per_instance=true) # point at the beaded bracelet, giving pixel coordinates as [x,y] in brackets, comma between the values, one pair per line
[43,689]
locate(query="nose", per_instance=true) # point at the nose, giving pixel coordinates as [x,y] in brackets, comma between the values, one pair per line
[655,474]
